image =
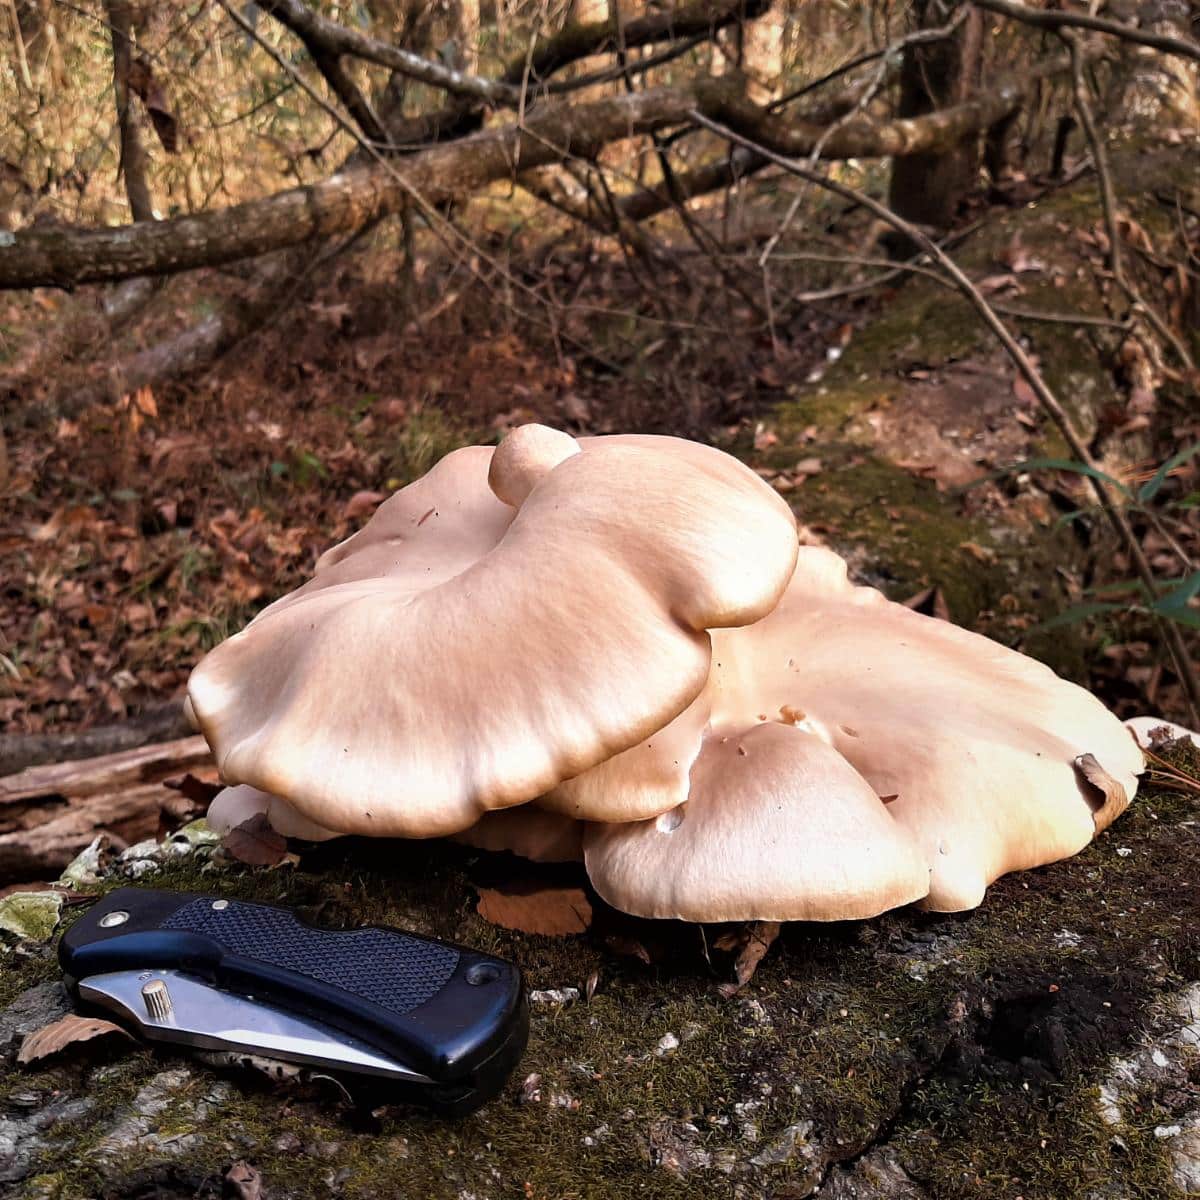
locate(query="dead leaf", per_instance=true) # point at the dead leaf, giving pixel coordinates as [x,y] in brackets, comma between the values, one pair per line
[244,1181]
[199,791]
[362,503]
[991,284]
[255,843]
[1017,258]
[58,1036]
[146,87]
[983,554]
[764,438]
[1112,799]
[760,936]
[532,907]
[1024,392]
[628,947]
[144,402]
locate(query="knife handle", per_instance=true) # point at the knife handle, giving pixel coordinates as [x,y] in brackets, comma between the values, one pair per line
[442,1009]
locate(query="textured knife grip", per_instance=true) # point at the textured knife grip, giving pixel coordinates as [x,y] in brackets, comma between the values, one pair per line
[383,967]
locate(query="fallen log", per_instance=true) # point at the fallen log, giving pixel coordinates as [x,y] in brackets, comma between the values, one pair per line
[49,813]
[90,776]
[160,724]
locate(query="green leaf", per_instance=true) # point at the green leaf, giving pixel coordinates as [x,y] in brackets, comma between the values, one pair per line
[1080,612]
[1182,616]
[1150,488]
[1054,464]
[1179,597]
[1116,589]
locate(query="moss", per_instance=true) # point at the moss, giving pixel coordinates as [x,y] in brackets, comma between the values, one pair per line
[936,1031]
[971,1041]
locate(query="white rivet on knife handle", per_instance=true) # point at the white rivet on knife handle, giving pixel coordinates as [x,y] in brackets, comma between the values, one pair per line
[158,999]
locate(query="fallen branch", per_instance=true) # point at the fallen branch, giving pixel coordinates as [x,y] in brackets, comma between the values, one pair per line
[107,773]
[1058,19]
[56,835]
[48,814]
[344,203]
[21,750]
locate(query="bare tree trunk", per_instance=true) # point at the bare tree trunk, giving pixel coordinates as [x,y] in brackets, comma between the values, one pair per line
[928,188]
[133,155]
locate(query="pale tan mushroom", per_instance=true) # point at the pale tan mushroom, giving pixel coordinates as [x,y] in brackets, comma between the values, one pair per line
[778,827]
[424,678]
[528,832]
[233,806]
[991,761]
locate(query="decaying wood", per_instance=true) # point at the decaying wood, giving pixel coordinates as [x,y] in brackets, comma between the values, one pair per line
[104,774]
[159,724]
[56,834]
[48,814]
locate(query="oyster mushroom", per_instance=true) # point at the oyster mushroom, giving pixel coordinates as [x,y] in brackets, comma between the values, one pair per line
[459,656]
[988,760]
[777,827]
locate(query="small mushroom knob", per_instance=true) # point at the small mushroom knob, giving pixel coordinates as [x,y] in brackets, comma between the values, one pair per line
[526,456]
[158,1000]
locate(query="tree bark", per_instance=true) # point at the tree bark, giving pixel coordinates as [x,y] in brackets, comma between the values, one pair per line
[133,154]
[928,187]
[1152,91]
[21,750]
[344,203]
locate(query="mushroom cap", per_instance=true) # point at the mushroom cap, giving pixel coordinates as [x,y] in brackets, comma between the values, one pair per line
[528,832]
[232,806]
[993,759]
[527,454]
[422,679]
[778,827]
[995,764]
[641,782]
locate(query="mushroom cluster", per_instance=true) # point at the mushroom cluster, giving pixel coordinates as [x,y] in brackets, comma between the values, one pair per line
[615,649]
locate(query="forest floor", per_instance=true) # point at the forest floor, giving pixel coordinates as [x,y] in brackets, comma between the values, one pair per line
[1045,1046]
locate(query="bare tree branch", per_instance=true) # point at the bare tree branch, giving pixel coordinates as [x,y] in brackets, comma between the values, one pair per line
[323,36]
[1058,19]
[343,203]
[864,137]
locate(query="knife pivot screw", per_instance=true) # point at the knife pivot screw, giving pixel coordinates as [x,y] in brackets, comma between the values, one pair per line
[158,999]
[109,920]
[220,905]
[482,973]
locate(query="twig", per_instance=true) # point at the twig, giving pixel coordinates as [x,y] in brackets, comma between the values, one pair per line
[1057,19]
[1184,667]
[1108,201]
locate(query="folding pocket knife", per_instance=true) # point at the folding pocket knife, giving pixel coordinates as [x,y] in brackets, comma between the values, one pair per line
[424,1021]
